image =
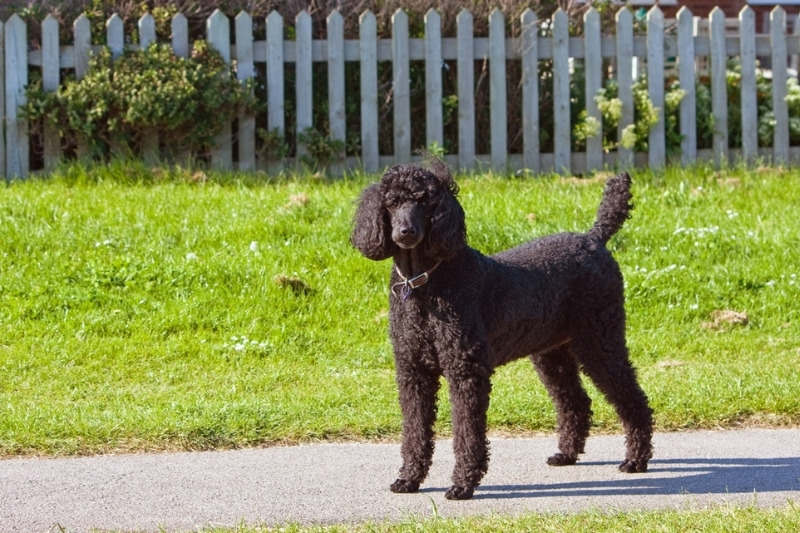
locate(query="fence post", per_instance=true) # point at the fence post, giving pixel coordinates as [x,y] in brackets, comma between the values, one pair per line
[747,60]
[498,105]
[304,78]
[401,87]
[149,140]
[466,90]
[686,78]
[369,91]
[275,81]
[245,71]
[16,74]
[82,30]
[529,50]
[336,87]
[593,67]
[433,79]
[777,30]
[719,85]
[218,32]
[656,142]
[562,126]
[51,79]
[624,83]
[180,35]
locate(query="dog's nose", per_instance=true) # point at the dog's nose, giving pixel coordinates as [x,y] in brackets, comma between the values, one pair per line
[408,231]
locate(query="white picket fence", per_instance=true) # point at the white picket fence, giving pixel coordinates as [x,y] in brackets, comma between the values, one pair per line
[650,50]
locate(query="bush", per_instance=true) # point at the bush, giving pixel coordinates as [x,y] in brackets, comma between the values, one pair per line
[120,103]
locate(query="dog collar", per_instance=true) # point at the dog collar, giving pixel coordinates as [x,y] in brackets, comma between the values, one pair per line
[407,285]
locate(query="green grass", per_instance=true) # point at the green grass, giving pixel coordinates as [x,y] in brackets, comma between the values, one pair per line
[138,314]
[726,519]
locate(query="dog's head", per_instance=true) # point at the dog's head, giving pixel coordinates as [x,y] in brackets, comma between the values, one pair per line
[410,207]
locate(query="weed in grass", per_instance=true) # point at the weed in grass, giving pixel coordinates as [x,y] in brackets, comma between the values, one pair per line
[122,288]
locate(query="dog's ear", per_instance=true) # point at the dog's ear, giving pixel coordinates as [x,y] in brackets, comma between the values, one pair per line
[448,231]
[371,226]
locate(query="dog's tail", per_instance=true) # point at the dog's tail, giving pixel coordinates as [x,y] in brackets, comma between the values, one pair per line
[614,208]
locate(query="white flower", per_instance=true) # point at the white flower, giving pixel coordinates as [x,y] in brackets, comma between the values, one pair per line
[191,256]
[254,247]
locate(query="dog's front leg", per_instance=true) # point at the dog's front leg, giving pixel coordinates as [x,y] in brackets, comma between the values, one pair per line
[469,397]
[418,404]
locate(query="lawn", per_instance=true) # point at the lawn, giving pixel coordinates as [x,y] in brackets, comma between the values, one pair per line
[158,309]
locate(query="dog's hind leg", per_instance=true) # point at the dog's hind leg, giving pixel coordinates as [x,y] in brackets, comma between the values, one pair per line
[418,405]
[609,367]
[558,371]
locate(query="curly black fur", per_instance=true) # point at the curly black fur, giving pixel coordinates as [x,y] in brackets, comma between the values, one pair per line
[558,300]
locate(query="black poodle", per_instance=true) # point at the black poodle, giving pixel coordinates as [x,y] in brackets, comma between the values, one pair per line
[456,312]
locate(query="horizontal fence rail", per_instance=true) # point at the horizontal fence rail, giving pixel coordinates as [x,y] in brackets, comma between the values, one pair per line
[685,45]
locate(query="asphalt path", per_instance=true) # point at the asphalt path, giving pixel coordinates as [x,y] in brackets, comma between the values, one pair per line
[344,483]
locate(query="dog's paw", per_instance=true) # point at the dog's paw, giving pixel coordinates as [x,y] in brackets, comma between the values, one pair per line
[560,459]
[457,492]
[403,486]
[632,467]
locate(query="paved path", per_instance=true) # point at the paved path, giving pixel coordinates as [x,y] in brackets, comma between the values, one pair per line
[349,482]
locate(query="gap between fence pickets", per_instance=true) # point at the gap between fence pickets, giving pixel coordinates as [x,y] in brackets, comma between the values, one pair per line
[715,36]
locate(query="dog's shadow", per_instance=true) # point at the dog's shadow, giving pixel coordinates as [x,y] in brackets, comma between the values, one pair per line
[669,477]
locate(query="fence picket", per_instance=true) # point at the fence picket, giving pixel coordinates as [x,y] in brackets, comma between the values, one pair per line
[466,90]
[51,78]
[624,83]
[82,31]
[656,143]
[593,68]
[529,51]
[686,78]
[336,86]
[498,127]
[245,70]
[747,60]
[180,35]
[275,82]
[433,79]
[401,87]
[561,108]
[16,78]
[368,46]
[149,140]
[719,86]
[304,76]
[218,33]
[115,36]
[780,142]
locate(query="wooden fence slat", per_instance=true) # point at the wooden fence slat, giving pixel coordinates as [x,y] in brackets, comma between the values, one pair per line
[466,90]
[749,104]
[368,28]
[82,32]
[275,79]
[304,76]
[719,86]
[218,33]
[16,78]
[561,98]
[498,120]
[529,51]
[149,140]
[115,36]
[401,87]
[2,100]
[624,21]
[245,71]
[780,142]
[336,87]
[51,78]
[433,79]
[180,35]
[686,78]
[656,143]
[593,68]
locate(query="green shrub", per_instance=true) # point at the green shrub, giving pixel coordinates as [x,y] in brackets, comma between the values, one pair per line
[119,103]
